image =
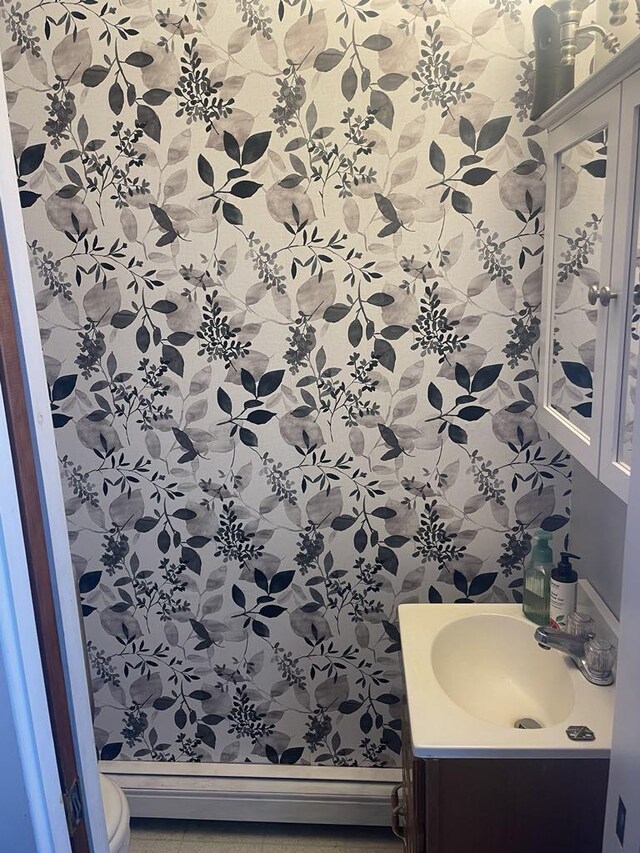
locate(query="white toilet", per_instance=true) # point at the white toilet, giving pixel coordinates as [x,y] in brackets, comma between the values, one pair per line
[116,813]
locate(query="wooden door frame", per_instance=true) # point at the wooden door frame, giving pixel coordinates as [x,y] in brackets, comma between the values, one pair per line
[25,720]
[33,534]
[42,503]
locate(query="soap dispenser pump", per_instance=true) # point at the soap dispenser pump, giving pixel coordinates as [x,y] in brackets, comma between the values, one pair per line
[564,592]
[537,580]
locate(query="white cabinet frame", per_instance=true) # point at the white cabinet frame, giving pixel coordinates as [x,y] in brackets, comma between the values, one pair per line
[601,113]
[610,97]
[613,473]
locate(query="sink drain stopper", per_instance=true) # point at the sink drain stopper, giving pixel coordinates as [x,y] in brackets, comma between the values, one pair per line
[527,723]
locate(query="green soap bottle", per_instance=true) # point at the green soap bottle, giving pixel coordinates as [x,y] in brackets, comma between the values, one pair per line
[537,580]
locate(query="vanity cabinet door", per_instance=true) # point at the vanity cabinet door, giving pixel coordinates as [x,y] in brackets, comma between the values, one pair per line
[516,805]
[623,341]
[581,185]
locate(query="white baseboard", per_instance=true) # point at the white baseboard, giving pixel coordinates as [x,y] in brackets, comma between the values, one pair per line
[269,793]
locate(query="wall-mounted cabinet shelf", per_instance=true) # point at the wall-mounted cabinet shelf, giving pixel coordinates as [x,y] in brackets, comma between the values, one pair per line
[590,334]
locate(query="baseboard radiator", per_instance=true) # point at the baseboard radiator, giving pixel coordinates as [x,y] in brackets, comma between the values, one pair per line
[273,793]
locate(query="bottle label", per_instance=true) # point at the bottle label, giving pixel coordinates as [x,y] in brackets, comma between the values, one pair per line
[563,602]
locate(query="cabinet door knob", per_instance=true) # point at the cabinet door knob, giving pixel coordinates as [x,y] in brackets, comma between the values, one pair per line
[600,294]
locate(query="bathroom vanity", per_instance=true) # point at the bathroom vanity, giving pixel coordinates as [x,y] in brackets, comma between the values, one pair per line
[472,778]
[495,805]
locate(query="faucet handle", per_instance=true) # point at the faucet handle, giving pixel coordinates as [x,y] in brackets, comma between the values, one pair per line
[580,625]
[600,656]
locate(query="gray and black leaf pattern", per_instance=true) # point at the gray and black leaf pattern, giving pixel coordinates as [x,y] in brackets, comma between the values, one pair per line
[287,261]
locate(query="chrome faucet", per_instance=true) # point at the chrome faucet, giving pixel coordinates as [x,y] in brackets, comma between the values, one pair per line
[594,658]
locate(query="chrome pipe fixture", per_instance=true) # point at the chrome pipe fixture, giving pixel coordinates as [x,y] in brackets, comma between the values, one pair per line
[569,14]
[609,41]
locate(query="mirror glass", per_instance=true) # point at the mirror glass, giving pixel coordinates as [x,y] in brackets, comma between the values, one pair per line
[576,265]
[632,338]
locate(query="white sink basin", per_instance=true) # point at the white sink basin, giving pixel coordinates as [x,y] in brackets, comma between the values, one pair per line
[471,672]
[490,667]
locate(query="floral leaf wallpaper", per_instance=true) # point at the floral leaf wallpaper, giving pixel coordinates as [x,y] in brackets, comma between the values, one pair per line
[287,261]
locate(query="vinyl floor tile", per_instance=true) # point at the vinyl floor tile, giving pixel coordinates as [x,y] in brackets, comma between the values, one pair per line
[305,846]
[214,845]
[378,839]
[289,835]
[313,836]
[151,827]
[223,831]
[140,844]
[194,836]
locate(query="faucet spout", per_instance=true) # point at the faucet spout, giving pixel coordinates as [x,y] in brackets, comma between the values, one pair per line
[551,638]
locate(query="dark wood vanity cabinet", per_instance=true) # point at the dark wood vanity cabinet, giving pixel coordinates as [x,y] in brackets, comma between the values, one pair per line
[478,805]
